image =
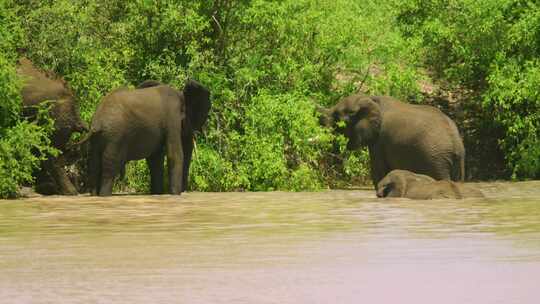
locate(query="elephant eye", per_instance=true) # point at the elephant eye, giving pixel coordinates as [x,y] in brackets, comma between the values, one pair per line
[387,189]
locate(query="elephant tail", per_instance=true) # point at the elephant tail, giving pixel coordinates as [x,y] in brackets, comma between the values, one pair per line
[458,169]
[84,139]
[458,161]
[148,84]
[462,168]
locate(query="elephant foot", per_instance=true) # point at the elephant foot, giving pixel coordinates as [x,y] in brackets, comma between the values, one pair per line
[28,192]
[49,188]
[46,188]
[69,190]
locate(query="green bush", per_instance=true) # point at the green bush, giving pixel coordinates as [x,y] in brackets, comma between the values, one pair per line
[267,64]
[136,178]
[22,144]
[22,148]
[491,49]
[10,99]
[210,171]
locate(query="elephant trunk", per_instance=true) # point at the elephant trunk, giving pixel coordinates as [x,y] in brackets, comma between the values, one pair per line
[81,126]
[325,119]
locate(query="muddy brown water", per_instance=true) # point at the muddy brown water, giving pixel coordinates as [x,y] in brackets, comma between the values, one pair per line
[273,247]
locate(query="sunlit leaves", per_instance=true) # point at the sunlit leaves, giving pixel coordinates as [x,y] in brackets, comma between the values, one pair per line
[490,48]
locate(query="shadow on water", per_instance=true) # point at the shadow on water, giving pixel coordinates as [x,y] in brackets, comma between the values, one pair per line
[272,247]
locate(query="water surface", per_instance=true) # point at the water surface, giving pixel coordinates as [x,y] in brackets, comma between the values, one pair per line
[275,247]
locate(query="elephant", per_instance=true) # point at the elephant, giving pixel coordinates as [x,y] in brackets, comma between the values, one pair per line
[150,121]
[403,183]
[399,135]
[37,88]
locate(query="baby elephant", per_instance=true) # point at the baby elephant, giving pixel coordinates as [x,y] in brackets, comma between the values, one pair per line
[403,183]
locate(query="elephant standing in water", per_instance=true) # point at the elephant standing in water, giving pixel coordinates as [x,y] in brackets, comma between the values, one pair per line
[403,183]
[148,122]
[399,135]
[37,88]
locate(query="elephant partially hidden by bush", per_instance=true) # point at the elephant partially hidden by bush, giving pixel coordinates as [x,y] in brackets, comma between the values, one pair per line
[399,135]
[403,183]
[148,122]
[37,88]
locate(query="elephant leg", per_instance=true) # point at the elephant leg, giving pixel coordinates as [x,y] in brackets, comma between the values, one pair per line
[94,169]
[112,161]
[155,164]
[55,168]
[175,163]
[43,182]
[187,145]
[379,169]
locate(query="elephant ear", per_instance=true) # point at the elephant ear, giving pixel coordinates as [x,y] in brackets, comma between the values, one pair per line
[400,185]
[363,118]
[197,103]
[368,119]
[148,84]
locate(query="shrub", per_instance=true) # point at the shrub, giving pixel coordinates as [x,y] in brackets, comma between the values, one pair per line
[22,148]
[267,64]
[491,49]
[22,144]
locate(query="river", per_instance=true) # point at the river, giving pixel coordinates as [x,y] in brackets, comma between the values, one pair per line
[342,246]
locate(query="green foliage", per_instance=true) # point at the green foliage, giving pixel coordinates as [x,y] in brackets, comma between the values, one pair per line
[10,99]
[22,148]
[22,144]
[275,61]
[135,179]
[11,33]
[83,54]
[515,98]
[281,141]
[210,171]
[268,63]
[490,48]
[10,36]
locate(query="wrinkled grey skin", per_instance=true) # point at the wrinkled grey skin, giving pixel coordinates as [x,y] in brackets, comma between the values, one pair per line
[37,88]
[403,183]
[150,122]
[399,135]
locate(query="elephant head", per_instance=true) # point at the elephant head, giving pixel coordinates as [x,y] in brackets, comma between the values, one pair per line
[66,121]
[197,103]
[357,117]
[67,113]
[392,185]
[397,183]
[45,87]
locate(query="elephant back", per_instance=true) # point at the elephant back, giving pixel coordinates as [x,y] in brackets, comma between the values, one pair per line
[148,84]
[421,139]
[39,86]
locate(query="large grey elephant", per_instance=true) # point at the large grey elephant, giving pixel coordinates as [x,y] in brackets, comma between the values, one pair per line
[152,121]
[399,135]
[403,183]
[37,88]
